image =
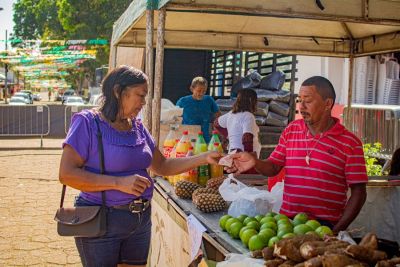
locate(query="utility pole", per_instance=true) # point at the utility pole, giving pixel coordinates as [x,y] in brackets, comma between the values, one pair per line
[5,73]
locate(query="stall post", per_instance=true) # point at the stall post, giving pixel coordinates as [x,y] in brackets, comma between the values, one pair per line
[149,67]
[158,75]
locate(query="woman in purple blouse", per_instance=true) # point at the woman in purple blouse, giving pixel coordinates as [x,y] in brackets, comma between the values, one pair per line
[129,150]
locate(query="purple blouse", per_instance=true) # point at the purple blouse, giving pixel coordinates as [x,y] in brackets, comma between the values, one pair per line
[125,153]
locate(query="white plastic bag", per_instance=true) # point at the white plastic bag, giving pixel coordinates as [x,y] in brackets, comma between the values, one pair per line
[240,260]
[245,200]
[169,112]
[277,195]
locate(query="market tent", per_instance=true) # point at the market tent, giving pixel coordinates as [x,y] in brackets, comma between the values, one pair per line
[325,28]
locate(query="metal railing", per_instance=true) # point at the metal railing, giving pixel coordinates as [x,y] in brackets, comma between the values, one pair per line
[69,112]
[26,120]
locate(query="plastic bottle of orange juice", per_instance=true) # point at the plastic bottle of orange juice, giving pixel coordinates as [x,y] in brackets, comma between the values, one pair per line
[214,139]
[190,175]
[215,169]
[169,142]
[171,178]
[181,151]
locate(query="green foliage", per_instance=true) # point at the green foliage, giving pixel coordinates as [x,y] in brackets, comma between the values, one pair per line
[373,168]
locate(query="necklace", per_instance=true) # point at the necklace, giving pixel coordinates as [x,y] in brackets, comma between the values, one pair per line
[308,152]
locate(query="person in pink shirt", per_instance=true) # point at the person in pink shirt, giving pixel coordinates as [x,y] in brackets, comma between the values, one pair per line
[322,160]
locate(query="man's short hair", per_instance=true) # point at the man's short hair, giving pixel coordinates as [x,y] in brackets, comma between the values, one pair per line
[323,86]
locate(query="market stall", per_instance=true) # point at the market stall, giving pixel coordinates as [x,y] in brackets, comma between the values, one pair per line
[322,28]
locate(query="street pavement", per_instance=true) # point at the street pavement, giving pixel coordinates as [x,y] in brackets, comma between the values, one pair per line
[29,197]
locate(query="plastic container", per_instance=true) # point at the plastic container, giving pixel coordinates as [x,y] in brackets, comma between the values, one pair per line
[169,142]
[215,169]
[203,170]
[171,178]
[214,139]
[181,151]
[191,175]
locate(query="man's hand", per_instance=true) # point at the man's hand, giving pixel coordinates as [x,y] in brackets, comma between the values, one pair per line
[242,162]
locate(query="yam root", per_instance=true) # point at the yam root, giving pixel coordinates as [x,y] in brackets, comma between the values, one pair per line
[273,263]
[301,264]
[312,249]
[288,263]
[257,254]
[364,254]
[313,262]
[337,260]
[268,253]
[388,263]
[369,241]
[288,249]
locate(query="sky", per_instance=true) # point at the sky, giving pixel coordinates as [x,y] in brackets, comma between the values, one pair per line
[6,20]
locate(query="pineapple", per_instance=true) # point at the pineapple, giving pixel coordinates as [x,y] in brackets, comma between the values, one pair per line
[215,182]
[207,202]
[185,189]
[204,191]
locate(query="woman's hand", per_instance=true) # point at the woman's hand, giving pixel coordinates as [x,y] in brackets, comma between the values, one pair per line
[212,157]
[242,162]
[133,184]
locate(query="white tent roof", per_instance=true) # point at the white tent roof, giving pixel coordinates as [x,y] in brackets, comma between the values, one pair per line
[283,26]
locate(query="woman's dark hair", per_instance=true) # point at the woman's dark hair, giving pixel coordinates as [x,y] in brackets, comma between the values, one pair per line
[246,101]
[114,84]
[395,164]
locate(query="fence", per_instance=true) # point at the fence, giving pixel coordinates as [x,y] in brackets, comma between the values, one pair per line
[68,113]
[27,120]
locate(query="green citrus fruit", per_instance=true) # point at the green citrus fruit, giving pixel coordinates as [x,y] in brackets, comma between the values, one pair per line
[229,223]
[249,219]
[246,235]
[270,214]
[297,222]
[283,221]
[280,216]
[256,243]
[271,225]
[244,228]
[323,230]
[234,229]
[314,224]
[254,224]
[258,217]
[266,235]
[301,229]
[273,240]
[302,217]
[288,235]
[223,220]
[267,219]
[285,227]
[241,217]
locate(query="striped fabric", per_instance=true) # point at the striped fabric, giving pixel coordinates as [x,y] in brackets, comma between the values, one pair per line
[320,188]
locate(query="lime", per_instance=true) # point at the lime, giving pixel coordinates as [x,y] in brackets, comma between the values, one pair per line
[256,243]
[271,225]
[234,229]
[246,235]
[301,217]
[280,216]
[266,235]
[270,214]
[244,228]
[273,240]
[323,230]
[258,217]
[241,217]
[314,224]
[254,224]
[283,221]
[267,219]
[297,222]
[288,235]
[223,220]
[302,229]
[229,223]
[249,219]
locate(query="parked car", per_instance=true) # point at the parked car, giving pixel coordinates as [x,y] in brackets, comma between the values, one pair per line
[17,101]
[36,97]
[74,101]
[66,95]
[28,99]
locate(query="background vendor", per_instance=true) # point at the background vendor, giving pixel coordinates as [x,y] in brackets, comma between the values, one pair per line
[198,108]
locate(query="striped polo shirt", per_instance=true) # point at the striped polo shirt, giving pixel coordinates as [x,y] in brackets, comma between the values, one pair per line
[336,160]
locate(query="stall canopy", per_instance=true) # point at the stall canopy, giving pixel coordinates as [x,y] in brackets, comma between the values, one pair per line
[339,28]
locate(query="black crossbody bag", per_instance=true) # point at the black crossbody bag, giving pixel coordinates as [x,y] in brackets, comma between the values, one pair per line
[84,221]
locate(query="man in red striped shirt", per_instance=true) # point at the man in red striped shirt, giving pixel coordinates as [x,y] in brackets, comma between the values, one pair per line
[322,159]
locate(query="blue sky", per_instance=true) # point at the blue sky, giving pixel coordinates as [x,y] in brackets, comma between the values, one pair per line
[6,19]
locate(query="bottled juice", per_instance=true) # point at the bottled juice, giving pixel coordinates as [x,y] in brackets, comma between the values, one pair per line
[214,139]
[215,169]
[171,178]
[190,175]
[181,151]
[169,142]
[203,171]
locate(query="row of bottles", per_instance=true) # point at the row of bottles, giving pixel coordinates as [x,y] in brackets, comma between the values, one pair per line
[184,147]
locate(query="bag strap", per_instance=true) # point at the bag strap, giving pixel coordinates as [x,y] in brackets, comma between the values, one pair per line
[101,160]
